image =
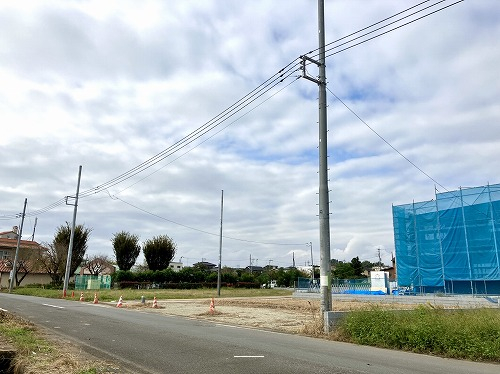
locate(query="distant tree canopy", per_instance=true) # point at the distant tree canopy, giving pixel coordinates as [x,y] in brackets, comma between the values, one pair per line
[343,270]
[367,265]
[348,270]
[54,259]
[159,251]
[127,249]
[288,277]
[357,267]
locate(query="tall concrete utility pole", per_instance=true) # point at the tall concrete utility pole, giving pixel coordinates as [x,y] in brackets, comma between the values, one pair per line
[324,200]
[72,235]
[16,257]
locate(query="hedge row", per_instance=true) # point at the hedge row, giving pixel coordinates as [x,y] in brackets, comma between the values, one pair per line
[185,285]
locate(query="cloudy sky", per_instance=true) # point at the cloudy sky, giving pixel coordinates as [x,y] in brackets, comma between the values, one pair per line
[110,84]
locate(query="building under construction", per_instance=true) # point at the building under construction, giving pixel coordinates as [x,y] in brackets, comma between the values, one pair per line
[450,244]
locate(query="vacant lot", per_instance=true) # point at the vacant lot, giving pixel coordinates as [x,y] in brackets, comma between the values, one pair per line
[285,314]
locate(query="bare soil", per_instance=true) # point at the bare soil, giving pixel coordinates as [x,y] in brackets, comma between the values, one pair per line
[284,314]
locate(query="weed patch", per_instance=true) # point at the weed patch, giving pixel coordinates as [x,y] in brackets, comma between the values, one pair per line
[464,334]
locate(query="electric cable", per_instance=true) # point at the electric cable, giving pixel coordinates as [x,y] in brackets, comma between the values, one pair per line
[284,74]
[239,105]
[388,31]
[202,231]
[370,26]
[208,138]
[385,141]
[455,195]
[247,100]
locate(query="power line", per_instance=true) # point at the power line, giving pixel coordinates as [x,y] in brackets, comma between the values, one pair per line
[235,108]
[385,141]
[406,158]
[208,138]
[199,230]
[271,83]
[386,32]
[333,46]
[372,25]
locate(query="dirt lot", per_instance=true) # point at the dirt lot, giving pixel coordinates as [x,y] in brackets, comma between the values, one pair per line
[285,314]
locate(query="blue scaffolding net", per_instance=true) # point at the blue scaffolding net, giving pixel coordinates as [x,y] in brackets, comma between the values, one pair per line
[450,244]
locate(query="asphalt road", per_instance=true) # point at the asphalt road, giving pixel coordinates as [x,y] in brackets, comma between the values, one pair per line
[152,343]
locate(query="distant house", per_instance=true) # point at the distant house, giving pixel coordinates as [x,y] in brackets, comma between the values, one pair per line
[254,269]
[176,266]
[12,234]
[389,269]
[27,257]
[206,265]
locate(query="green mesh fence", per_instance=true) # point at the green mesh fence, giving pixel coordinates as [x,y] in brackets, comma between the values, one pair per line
[92,282]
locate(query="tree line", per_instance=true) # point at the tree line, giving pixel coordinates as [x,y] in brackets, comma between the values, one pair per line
[52,257]
[158,253]
[200,276]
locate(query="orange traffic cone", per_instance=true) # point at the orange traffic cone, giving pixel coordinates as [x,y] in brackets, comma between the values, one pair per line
[212,306]
[96,301]
[73,294]
[120,302]
[81,297]
[155,303]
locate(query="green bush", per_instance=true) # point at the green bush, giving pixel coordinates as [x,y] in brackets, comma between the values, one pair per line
[465,334]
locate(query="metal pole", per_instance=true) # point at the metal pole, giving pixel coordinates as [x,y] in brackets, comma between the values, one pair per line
[70,248]
[324,208]
[417,249]
[20,233]
[312,264]
[220,242]
[438,222]
[466,242]
[493,228]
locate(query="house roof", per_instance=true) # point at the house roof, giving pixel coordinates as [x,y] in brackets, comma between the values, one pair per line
[5,267]
[7,243]
[206,264]
[254,268]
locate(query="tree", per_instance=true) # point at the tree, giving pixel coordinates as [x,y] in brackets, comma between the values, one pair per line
[159,251]
[357,266]
[288,277]
[54,259]
[53,262]
[127,249]
[96,264]
[343,270]
[27,262]
[367,265]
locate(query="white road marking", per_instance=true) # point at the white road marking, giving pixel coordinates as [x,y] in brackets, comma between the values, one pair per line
[248,356]
[54,306]
[3,310]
